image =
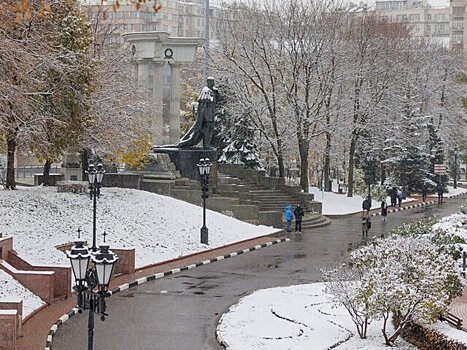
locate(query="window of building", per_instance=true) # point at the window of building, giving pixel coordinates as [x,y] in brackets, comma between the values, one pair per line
[134,14]
[457,38]
[458,25]
[414,18]
[458,11]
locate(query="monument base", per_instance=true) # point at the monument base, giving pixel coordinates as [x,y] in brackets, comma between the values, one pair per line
[186,161]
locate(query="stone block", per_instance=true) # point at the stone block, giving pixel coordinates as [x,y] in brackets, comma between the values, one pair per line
[122,180]
[246,212]
[186,161]
[53,179]
[221,203]
[162,187]
[271,218]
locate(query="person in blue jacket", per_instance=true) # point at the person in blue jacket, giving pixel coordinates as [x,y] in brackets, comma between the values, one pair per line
[289,217]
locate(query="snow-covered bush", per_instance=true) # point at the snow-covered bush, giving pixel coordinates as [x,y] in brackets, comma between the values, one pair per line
[346,290]
[448,241]
[406,277]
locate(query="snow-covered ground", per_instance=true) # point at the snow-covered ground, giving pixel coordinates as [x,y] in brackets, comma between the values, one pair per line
[160,228]
[339,204]
[298,317]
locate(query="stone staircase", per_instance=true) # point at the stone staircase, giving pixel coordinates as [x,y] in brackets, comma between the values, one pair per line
[268,200]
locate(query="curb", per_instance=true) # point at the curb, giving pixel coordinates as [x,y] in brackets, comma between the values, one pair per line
[74,311]
[422,204]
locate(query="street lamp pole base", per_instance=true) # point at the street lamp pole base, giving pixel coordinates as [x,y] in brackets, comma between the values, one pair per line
[204,235]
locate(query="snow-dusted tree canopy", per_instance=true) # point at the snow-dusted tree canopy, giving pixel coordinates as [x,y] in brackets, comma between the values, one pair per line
[406,278]
[327,86]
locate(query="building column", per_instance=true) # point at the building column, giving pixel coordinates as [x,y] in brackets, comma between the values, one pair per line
[174,124]
[143,78]
[157,123]
[134,71]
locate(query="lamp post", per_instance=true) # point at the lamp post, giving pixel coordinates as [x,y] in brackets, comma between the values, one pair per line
[368,170]
[456,150]
[95,177]
[88,278]
[204,167]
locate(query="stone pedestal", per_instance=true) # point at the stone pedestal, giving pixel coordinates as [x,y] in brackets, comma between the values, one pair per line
[186,161]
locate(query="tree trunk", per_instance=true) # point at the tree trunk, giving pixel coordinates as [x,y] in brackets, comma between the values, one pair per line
[353,143]
[280,159]
[327,161]
[304,184]
[85,154]
[46,173]
[10,172]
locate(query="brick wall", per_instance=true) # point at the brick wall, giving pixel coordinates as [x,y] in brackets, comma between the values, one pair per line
[18,306]
[6,245]
[61,281]
[8,320]
[40,283]
[126,260]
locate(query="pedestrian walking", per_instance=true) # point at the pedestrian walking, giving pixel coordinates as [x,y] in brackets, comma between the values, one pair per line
[393,197]
[440,191]
[384,209]
[298,213]
[366,223]
[424,192]
[289,217]
[366,205]
[399,197]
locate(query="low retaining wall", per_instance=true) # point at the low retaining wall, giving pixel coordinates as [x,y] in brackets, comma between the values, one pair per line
[40,283]
[8,321]
[425,338]
[17,305]
[6,245]
[61,280]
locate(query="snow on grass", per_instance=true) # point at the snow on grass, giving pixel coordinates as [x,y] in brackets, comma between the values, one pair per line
[298,317]
[160,228]
[10,290]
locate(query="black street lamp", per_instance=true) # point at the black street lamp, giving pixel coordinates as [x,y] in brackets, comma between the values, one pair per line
[204,167]
[368,173]
[88,278]
[95,177]
[456,150]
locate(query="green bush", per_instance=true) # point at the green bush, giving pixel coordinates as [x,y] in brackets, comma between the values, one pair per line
[419,227]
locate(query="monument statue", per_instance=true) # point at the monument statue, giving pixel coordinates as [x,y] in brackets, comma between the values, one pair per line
[203,128]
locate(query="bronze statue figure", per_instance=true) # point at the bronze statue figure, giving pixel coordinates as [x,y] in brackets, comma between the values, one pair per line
[203,128]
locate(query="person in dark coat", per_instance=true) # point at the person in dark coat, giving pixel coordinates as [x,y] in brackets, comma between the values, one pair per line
[424,192]
[393,197]
[384,209]
[289,217]
[298,213]
[366,205]
[440,191]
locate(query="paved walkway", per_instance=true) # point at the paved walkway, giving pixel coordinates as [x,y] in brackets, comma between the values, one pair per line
[36,328]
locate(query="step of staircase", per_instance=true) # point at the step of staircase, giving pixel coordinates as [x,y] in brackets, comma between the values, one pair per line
[269,200]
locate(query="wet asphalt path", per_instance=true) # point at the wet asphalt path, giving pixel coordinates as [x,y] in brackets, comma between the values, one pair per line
[182,311]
